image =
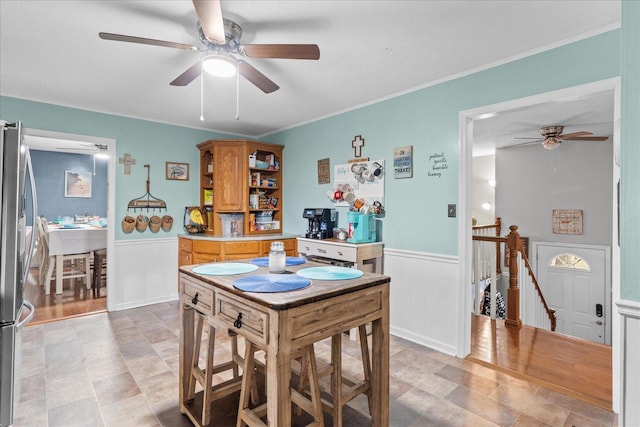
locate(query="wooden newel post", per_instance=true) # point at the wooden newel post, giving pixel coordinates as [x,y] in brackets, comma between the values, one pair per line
[513,293]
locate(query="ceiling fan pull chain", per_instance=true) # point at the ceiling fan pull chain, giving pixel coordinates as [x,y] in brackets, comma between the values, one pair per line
[237,93]
[202,97]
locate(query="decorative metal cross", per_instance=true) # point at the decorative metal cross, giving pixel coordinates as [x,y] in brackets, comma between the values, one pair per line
[127,161]
[357,144]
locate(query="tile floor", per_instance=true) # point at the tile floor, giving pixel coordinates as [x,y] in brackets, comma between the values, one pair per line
[121,369]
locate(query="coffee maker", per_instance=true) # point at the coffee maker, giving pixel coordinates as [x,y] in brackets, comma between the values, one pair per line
[321,222]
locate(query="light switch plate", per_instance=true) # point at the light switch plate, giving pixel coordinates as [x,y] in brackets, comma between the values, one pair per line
[451,211]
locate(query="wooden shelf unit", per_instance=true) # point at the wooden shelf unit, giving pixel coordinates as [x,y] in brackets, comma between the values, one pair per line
[246,179]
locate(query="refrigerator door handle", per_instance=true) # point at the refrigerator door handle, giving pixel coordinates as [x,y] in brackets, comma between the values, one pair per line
[34,213]
[26,320]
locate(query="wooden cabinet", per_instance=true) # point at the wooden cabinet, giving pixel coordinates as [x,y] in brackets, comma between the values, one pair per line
[202,251]
[185,248]
[244,178]
[290,247]
[205,251]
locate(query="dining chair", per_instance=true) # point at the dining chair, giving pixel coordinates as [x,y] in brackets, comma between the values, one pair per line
[99,267]
[73,265]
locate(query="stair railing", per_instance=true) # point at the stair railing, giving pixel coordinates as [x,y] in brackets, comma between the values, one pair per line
[520,275]
[539,311]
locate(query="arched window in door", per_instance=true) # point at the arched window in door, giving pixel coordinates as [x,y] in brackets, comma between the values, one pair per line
[569,261]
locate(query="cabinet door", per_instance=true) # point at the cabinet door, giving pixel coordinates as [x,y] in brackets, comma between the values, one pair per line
[203,258]
[289,247]
[230,182]
[184,258]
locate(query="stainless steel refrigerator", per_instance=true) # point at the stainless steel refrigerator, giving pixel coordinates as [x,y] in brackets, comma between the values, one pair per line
[17,187]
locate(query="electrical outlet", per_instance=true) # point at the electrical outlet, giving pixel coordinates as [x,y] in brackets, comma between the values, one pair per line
[451,211]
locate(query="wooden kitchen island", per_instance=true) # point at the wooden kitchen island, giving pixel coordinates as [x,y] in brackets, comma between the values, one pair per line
[283,322]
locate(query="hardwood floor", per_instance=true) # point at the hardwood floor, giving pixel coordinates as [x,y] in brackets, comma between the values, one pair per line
[572,366]
[75,300]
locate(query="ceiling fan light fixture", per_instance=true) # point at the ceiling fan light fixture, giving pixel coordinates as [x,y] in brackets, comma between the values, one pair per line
[219,65]
[551,143]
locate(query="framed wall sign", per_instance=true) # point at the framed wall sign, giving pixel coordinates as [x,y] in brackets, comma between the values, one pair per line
[403,162]
[177,171]
[324,171]
[77,184]
[567,221]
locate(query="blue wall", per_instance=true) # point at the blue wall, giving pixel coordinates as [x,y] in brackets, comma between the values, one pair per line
[630,152]
[416,208]
[49,170]
[148,143]
[427,119]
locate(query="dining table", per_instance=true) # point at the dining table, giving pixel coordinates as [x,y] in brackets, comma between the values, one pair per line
[68,239]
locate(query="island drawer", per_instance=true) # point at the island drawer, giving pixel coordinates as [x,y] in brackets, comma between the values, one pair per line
[238,315]
[197,295]
[328,250]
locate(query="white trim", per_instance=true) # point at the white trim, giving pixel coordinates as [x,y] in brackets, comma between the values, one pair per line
[630,314]
[135,304]
[466,118]
[449,259]
[419,285]
[629,308]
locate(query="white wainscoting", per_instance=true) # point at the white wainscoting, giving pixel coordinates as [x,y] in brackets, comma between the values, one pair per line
[630,355]
[143,272]
[424,298]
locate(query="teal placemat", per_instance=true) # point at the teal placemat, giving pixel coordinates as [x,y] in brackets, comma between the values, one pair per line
[271,283]
[225,268]
[329,273]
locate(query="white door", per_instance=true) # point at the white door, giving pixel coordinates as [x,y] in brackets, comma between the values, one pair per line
[573,281]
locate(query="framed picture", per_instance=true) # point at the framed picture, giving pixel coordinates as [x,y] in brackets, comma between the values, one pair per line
[177,171]
[403,162]
[77,184]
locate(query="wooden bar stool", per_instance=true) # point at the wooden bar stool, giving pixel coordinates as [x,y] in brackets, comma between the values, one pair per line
[311,405]
[204,375]
[340,395]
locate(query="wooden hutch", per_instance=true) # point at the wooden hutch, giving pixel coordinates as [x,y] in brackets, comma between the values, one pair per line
[242,181]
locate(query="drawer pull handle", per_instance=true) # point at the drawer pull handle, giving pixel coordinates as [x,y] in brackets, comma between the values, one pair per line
[238,321]
[194,300]
[340,253]
[322,251]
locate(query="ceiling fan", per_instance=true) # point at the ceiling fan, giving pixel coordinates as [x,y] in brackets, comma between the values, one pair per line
[223,52]
[552,137]
[85,146]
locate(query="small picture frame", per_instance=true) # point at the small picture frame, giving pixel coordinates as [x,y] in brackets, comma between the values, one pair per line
[77,184]
[177,171]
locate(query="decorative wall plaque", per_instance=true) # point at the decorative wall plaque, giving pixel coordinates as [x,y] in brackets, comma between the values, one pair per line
[324,171]
[567,221]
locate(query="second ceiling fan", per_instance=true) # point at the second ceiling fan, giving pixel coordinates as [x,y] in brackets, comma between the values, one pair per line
[221,45]
[552,137]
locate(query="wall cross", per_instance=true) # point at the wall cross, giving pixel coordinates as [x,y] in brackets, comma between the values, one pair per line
[127,161]
[357,144]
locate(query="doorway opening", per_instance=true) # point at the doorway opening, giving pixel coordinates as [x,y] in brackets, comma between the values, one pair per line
[468,121]
[76,221]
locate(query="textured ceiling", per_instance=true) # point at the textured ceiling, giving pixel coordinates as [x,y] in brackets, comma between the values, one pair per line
[370,50]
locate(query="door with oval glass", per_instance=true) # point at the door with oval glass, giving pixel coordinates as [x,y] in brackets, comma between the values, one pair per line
[574,280]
